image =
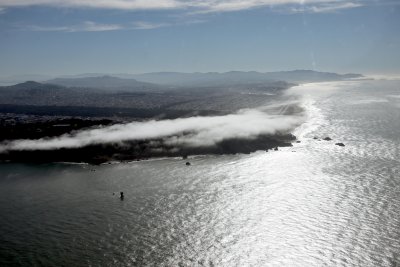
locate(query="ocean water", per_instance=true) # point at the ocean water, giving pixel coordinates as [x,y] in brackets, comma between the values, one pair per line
[314,204]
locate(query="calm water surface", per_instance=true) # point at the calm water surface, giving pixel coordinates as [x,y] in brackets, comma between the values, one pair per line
[315,204]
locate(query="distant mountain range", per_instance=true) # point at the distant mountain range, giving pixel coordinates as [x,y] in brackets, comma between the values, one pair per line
[234,77]
[31,88]
[150,95]
[149,80]
[103,82]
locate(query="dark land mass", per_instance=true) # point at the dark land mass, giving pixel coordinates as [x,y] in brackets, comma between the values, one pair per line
[14,127]
[37,98]
[145,149]
[105,112]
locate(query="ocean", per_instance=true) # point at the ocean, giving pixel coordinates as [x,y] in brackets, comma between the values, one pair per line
[313,204]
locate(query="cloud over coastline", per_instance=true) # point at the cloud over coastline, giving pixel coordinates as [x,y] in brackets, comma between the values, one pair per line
[190,132]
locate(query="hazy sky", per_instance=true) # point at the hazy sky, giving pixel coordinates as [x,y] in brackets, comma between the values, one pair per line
[133,36]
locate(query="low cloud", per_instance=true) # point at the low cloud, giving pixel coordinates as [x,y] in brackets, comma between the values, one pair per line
[190,132]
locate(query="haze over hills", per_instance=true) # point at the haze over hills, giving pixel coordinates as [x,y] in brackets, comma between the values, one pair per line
[104,82]
[154,95]
[101,80]
[159,101]
[233,77]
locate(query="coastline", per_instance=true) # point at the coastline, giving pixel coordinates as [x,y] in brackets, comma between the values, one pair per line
[145,150]
[35,128]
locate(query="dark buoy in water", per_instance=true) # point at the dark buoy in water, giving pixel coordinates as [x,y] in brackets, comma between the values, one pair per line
[121,195]
[188,163]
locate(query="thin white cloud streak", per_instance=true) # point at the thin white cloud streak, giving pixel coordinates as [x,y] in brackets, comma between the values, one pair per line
[196,6]
[90,26]
[144,25]
[95,27]
[329,8]
[194,131]
[237,5]
[105,4]
[87,26]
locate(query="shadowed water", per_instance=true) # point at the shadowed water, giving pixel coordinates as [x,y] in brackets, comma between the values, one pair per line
[314,204]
